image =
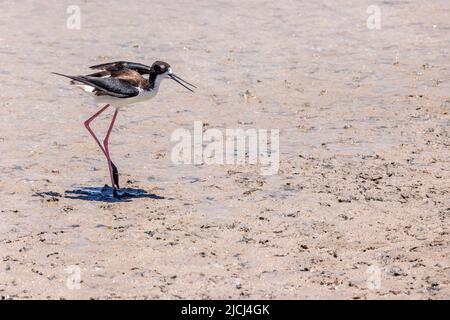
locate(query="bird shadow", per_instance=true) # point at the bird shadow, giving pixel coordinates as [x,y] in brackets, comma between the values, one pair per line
[104,194]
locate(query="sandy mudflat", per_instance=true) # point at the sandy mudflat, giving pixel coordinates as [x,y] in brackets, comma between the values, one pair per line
[361,204]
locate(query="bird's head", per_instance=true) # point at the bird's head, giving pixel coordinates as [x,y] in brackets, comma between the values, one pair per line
[162,70]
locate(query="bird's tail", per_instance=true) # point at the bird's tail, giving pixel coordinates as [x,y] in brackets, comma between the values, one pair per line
[78,81]
[64,75]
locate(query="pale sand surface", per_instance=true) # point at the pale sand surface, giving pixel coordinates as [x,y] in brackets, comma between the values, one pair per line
[364,180]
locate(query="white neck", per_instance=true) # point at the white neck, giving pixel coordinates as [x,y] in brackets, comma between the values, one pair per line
[158,80]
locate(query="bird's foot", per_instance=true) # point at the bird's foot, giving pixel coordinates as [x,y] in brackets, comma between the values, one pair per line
[115,175]
[118,194]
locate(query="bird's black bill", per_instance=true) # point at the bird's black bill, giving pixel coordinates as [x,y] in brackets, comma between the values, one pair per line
[180,81]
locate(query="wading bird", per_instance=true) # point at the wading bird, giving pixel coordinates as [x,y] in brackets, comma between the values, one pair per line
[120,84]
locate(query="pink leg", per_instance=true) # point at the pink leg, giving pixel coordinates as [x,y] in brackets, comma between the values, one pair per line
[87,125]
[106,145]
[88,122]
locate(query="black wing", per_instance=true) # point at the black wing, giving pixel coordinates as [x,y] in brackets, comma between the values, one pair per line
[114,87]
[119,65]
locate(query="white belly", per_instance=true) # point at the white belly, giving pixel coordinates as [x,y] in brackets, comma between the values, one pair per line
[122,102]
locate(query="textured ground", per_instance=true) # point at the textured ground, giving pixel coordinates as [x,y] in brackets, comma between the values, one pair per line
[359,210]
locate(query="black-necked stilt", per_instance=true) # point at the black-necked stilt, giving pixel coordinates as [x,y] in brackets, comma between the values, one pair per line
[119,84]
